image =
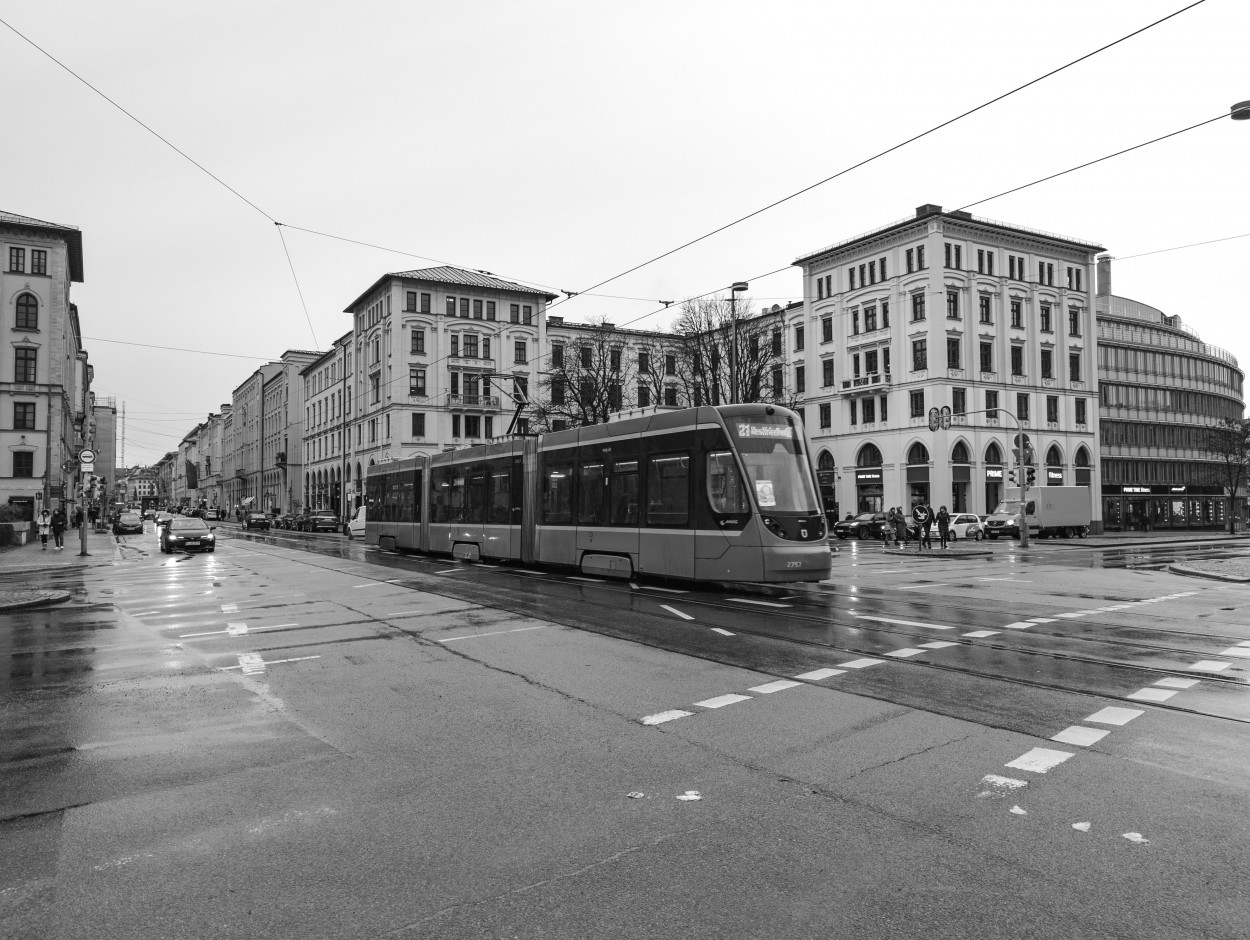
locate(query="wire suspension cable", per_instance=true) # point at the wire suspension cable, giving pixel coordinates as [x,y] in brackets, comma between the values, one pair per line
[202,352]
[298,289]
[1160,251]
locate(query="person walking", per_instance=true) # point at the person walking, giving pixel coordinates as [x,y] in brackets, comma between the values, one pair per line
[944,525]
[926,527]
[59,525]
[900,527]
[887,528]
[45,527]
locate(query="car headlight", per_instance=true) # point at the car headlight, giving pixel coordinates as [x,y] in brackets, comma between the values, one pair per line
[210,537]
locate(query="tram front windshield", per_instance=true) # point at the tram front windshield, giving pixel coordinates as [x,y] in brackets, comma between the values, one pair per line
[772,455]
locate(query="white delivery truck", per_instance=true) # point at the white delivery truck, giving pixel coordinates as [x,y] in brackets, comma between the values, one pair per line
[1059,511]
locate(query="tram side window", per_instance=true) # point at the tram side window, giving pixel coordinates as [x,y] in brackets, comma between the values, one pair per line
[456,496]
[668,490]
[558,494]
[623,493]
[440,498]
[590,494]
[724,484]
[375,488]
[475,502]
[499,506]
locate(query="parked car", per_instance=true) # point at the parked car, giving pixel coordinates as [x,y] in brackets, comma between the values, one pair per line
[256,520]
[965,525]
[356,525]
[320,520]
[128,523]
[162,519]
[867,525]
[185,534]
[214,514]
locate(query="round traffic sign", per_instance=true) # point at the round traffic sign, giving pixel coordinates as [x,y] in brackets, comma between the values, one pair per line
[86,455]
[935,419]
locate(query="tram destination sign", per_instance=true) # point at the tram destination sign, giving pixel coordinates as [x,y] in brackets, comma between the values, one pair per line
[781,432]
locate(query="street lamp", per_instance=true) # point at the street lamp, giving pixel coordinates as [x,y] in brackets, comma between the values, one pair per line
[1240,111]
[733,346]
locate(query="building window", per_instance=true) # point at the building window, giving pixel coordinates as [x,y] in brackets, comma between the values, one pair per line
[954,256]
[1074,279]
[24,416]
[1074,321]
[826,330]
[959,400]
[778,384]
[557,391]
[917,306]
[919,355]
[1022,408]
[885,414]
[855,365]
[418,424]
[885,314]
[776,342]
[470,345]
[870,409]
[514,313]
[477,310]
[1017,360]
[518,352]
[1017,314]
[425,303]
[985,262]
[1052,409]
[644,396]
[916,399]
[410,302]
[798,338]
[455,383]
[614,359]
[17,260]
[472,426]
[854,415]
[991,405]
[952,305]
[670,396]
[670,364]
[375,387]
[911,260]
[1080,411]
[1074,367]
[38,261]
[1015,268]
[820,288]
[644,363]
[851,277]
[416,381]
[23,463]
[872,272]
[585,357]
[854,322]
[464,308]
[870,319]
[557,355]
[920,257]
[800,379]
[527,314]
[27,308]
[24,365]
[455,426]
[870,361]
[983,302]
[490,310]
[953,358]
[451,306]
[826,416]
[1048,364]
[455,344]
[987,357]
[826,373]
[418,342]
[1044,317]
[883,274]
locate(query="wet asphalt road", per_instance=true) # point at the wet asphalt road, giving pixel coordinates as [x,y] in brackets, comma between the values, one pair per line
[299,736]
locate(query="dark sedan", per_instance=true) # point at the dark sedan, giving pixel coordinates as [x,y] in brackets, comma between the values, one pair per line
[187,534]
[128,523]
[867,525]
[321,520]
[256,520]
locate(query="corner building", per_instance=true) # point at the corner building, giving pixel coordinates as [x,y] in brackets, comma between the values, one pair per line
[991,320]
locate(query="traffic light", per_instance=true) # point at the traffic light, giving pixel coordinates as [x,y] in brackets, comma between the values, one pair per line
[1011,476]
[1031,475]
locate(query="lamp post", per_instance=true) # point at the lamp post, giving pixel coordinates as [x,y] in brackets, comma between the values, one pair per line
[733,343]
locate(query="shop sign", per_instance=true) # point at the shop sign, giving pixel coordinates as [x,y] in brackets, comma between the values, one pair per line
[1054,476]
[1136,489]
[1178,489]
[994,473]
[867,476]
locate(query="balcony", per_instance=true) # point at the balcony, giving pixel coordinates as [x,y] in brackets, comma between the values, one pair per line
[867,384]
[481,402]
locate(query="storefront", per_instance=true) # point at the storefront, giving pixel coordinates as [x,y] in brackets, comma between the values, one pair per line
[993,488]
[826,480]
[961,480]
[918,485]
[869,490]
[1140,508]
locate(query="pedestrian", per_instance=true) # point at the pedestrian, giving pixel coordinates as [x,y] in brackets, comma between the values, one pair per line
[92,512]
[926,527]
[45,527]
[78,518]
[944,525]
[900,527]
[59,525]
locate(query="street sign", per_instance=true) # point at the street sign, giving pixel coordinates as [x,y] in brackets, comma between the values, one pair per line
[935,419]
[86,467]
[946,417]
[86,455]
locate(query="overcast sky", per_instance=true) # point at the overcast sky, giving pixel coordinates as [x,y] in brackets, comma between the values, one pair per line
[561,143]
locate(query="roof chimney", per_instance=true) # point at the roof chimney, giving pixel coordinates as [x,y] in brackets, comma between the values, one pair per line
[1104,276]
[927,209]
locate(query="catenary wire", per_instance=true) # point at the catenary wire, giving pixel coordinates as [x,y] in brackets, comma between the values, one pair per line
[1160,251]
[299,290]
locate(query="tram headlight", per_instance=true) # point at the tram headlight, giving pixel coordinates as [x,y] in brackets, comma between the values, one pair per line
[775,527]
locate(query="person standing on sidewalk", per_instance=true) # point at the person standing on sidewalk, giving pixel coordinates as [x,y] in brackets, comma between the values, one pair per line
[45,527]
[59,525]
[944,525]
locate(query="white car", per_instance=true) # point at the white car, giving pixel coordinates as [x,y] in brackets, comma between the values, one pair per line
[356,525]
[965,525]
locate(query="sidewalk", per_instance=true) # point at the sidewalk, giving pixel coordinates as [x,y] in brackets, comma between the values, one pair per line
[31,559]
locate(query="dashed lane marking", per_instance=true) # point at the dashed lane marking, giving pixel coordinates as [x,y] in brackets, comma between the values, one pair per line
[722,631]
[474,636]
[456,570]
[1041,619]
[1080,735]
[722,700]
[1018,625]
[818,674]
[1039,760]
[1151,695]
[1115,716]
[1209,665]
[902,623]
[1240,651]
[251,663]
[577,577]
[229,608]
[861,663]
[1174,683]
[770,687]
[904,653]
[748,600]
[674,610]
[660,717]
[981,634]
[937,645]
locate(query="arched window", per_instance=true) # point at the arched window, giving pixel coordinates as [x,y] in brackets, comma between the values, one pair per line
[1053,457]
[1082,457]
[918,453]
[993,455]
[27,312]
[826,461]
[959,453]
[869,456]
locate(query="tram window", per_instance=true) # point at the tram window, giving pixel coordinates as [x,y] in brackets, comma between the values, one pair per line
[440,498]
[475,504]
[375,487]
[775,465]
[456,496]
[623,493]
[668,490]
[724,484]
[500,501]
[590,494]
[558,494]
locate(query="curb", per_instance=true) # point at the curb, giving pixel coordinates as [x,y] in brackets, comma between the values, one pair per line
[45,599]
[903,553]
[1195,573]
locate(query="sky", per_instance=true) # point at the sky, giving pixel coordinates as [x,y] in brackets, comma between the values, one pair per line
[560,144]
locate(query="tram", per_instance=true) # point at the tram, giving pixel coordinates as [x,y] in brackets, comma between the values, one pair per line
[716,493]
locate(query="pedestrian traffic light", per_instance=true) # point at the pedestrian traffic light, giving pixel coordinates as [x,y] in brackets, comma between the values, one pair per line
[1031,475]
[1011,477]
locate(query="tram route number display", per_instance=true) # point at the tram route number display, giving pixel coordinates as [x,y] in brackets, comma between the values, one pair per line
[778,431]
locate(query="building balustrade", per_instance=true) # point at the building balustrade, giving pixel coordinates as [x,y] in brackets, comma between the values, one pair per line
[472,401]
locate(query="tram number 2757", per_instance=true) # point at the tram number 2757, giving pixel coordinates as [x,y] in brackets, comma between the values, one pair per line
[794,564]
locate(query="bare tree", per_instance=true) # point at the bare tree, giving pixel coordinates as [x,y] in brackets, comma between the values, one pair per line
[706,341]
[586,383]
[1228,445]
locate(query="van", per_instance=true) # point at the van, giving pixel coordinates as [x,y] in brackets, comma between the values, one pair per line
[356,525]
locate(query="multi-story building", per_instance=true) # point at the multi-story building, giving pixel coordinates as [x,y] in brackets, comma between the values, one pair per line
[211,453]
[1161,388]
[187,469]
[163,471]
[44,373]
[992,321]
[104,439]
[438,353]
[327,482]
[137,484]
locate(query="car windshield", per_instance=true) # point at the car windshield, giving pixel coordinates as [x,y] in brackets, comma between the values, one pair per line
[188,525]
[865,517]
[130,517]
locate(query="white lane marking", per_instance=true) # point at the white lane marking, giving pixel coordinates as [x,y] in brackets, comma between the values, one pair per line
[1041,619]
[1241,652]
[1151,695]
[779,685]
[394,580]
[1081,826]
[474,636]
[921,587]
[1039,760]
[1019,811]
[722,700]
[861,663]
[721,631]
[937,645]
[1171,683]
[236,629]
[982,633]
[402,613]
[905,652]
[747,600]
[577,577]
[371,584]
[1115,716]
[660,717]
[1018,625]
[997,785]
[634,586]
[229,608]
[901,623]
[665,590]
[1080,735]
[1208,665]
[818,674]
[1119,607]
[674,610]
[1136,837]
[252,664]
[1066,616]
[456,570]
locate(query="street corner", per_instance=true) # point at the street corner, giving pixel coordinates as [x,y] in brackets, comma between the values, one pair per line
[34,597]
[1235,570]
